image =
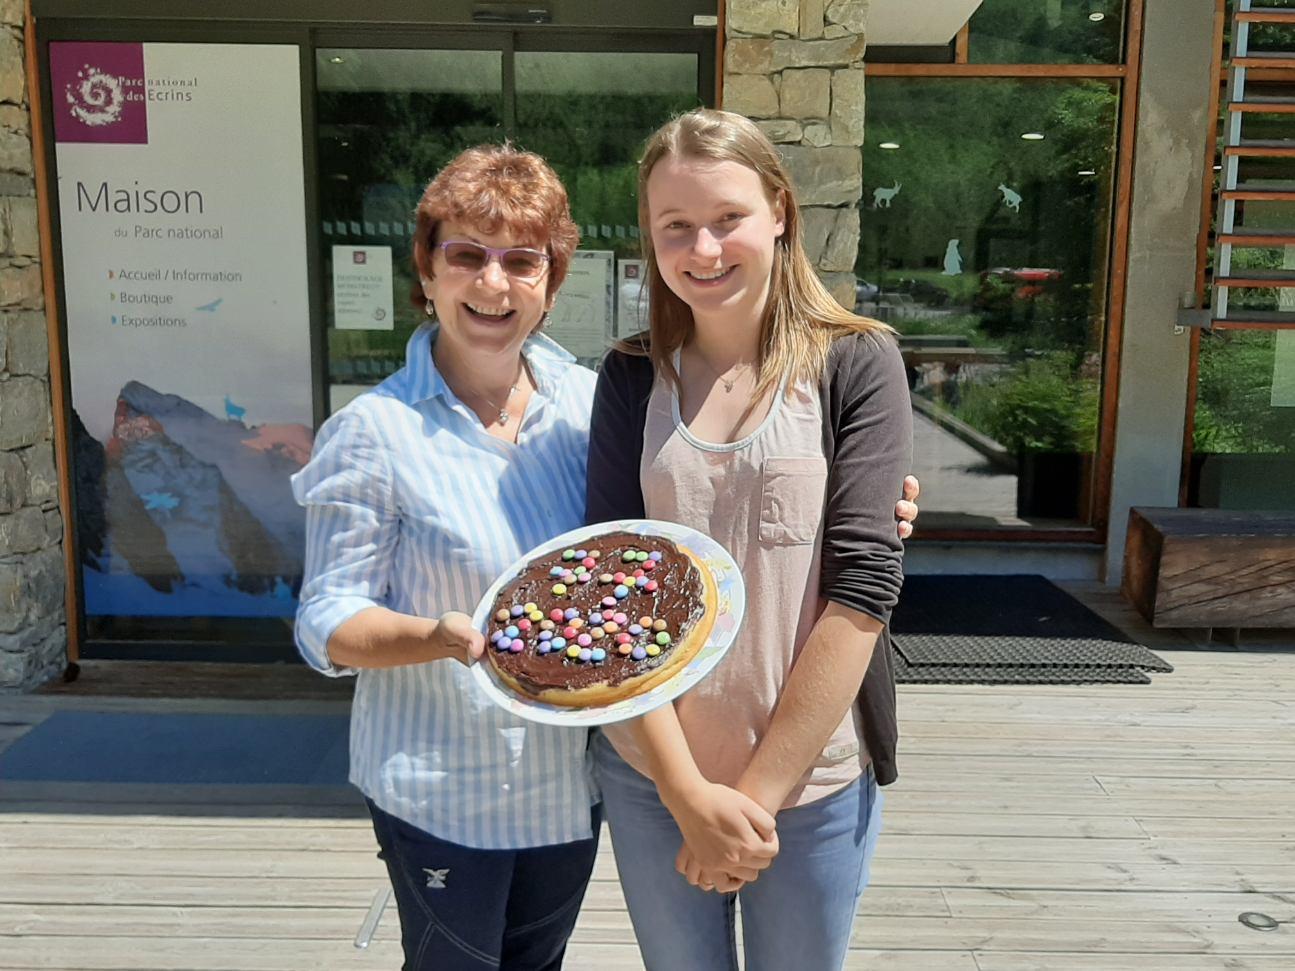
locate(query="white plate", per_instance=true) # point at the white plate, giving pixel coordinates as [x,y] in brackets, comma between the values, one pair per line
[731,601]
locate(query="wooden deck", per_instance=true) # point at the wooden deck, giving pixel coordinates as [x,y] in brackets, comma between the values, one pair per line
[1049,828]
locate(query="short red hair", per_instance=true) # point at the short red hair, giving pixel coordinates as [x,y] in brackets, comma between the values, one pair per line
[493,188]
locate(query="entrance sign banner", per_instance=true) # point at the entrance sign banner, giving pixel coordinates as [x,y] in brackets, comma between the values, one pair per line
[362,288]
[182,226]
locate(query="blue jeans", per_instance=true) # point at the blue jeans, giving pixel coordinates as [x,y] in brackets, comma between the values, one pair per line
[798,914]
[465,909]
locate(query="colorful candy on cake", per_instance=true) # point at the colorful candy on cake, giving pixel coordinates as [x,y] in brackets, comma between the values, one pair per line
[593,625]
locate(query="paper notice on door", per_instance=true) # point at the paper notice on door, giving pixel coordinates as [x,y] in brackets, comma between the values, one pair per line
[631,298]
[362,288]
[582,316]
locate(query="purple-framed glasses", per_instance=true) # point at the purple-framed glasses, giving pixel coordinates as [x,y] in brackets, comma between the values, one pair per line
[520,262]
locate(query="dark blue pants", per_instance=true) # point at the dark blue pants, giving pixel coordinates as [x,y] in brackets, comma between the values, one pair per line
[470,909]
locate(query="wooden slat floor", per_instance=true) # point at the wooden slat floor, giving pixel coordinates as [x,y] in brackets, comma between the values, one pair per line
[1035,828]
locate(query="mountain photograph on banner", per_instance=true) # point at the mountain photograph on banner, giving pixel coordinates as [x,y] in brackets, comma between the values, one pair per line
[188,513]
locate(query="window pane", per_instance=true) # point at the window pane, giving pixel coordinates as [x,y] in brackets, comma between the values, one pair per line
[1047,32]
[1258,217]
[388,120]
[589,114]
[984,242]
[1264,38]
[1244,434]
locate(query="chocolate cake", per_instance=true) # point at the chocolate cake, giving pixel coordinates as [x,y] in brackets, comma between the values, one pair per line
[593,624]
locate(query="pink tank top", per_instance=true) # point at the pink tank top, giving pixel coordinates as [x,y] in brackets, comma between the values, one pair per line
[762,499]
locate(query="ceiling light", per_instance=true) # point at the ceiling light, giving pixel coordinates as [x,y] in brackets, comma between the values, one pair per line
[1087,171]
[336,60]
[889,145]
[1033,136]
[1097,16]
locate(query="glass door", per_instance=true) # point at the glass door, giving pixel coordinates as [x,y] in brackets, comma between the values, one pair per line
[388,118]
[589,113]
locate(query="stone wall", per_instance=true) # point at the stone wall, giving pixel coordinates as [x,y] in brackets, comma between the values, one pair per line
[796,68]
[33,634]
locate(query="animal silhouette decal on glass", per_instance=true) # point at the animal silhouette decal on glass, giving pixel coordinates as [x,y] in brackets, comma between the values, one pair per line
[1011,198]
[952,259]
[882,195]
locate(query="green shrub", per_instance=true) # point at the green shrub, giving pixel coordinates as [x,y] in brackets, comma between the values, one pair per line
[1042,405]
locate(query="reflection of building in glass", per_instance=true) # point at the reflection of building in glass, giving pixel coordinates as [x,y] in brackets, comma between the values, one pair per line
[993,274]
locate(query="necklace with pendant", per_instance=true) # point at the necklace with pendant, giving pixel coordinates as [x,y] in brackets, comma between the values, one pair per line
[728,383]
[503,408]
[503,417]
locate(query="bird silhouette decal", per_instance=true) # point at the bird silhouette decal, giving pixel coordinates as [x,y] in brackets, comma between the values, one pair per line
[162,501]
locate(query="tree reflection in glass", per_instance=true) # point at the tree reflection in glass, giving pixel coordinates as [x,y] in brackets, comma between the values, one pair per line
[992,264]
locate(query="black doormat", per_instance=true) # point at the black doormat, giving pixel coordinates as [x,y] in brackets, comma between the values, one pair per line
[906,673]
[1018,629]
[1009,651]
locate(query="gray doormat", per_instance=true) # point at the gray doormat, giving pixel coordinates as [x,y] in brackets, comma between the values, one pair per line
[906,673]
[1009,630]
[923,649]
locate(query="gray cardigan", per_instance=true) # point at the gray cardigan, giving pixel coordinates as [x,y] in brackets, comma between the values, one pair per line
[868,442]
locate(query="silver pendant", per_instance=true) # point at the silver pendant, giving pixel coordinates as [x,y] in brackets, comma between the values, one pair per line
[503,416]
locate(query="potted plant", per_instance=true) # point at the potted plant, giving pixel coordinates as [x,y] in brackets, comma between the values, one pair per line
[1045,412]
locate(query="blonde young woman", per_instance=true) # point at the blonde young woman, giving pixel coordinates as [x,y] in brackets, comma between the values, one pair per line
[763,414]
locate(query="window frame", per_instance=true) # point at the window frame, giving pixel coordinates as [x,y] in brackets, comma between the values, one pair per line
[309,27]
[1209,212]
[1126,75]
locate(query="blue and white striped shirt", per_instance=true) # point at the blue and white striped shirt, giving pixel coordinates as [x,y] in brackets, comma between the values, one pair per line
[411,505]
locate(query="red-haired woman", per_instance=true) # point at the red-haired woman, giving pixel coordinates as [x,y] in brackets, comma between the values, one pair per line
[418,495]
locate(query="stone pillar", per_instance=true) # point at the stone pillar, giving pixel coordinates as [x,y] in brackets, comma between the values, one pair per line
[33,632]
[796,68]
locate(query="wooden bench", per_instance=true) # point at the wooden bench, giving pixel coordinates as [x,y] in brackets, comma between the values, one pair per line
[1211,567]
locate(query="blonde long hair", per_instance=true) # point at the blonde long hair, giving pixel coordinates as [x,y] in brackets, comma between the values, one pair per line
[801,319]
